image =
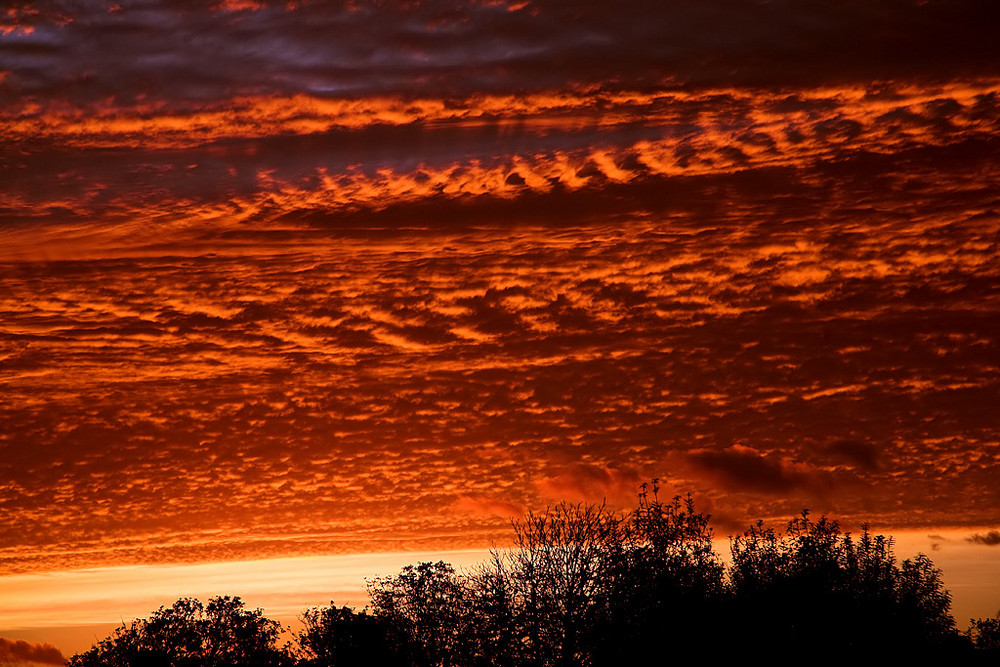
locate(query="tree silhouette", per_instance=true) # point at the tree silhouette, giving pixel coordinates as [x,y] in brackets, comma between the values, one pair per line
[495,635]
[584,586]
[562,572]
[339,637]
[814,582]
[426,607]
[190,634]
[984,633]
[665,578]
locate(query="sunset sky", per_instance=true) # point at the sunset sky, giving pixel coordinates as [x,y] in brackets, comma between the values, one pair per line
[310,282]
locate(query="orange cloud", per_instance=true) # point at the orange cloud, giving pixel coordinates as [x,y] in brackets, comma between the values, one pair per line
[302,159]
[764,116]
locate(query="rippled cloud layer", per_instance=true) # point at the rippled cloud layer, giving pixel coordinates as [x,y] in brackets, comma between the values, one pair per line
[288,279]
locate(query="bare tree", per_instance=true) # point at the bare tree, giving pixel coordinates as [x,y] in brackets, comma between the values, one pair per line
[561,574]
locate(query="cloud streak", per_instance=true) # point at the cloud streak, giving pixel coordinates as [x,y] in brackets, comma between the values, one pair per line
[989,539]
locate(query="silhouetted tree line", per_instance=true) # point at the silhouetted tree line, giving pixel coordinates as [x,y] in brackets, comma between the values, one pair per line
[584,586]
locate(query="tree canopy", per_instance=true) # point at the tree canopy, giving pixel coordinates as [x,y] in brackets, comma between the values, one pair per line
[222,633]
[584,586]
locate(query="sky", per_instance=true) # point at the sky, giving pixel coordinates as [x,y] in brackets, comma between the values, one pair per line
[286,283]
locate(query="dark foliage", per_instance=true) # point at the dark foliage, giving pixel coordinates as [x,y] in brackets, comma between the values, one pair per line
[985,636]
[587,587]
[584,586]
[341,636]
[189,634]
[815,582]
[425,609]
[667,579]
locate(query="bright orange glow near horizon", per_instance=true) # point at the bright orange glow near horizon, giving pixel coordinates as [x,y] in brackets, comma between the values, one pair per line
[271,297]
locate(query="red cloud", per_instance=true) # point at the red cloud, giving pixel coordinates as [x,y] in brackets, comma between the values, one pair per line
[483,506]
[742,468]
[583,482]
[16,651]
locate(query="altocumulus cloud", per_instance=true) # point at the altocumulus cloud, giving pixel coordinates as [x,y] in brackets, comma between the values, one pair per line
[341,289]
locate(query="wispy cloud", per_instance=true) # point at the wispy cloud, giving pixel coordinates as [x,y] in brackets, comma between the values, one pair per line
[989,539]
